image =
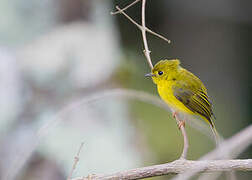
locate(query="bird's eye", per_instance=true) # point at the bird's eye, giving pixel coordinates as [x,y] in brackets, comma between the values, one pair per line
[160,73]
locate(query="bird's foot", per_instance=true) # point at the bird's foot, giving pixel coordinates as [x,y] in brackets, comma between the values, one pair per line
[181,123]
[174,114]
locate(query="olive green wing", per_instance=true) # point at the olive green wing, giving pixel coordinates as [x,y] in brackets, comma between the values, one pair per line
[194,96]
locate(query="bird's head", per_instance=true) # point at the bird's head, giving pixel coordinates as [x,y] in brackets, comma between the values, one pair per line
[164,70]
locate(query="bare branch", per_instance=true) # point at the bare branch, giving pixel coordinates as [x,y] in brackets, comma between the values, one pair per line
[242,139]
[146,48]
[76,159]
[143,29]
[178,166]
[228,148]
[122,93]
[140,27]
[126,7]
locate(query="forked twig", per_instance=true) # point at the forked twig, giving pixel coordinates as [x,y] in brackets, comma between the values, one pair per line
[143,28]
[140,27]
[125,8]
[76,159]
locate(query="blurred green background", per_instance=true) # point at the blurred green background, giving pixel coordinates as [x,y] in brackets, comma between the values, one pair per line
[54,54]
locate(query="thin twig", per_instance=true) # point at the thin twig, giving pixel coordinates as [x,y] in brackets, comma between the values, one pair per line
[76,159]
[140,27]
[183,131]
[121,93]
[143,29]
[146,48]
[126,7]
[175,167]
[186,144]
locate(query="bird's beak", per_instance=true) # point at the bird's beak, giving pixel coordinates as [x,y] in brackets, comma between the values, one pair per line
[149,75]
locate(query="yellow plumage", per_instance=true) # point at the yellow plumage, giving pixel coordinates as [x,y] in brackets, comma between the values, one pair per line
[182,90]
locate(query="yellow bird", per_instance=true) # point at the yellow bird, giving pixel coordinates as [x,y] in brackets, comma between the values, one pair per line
[182,91]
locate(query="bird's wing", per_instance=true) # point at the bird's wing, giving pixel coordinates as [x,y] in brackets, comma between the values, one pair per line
[193,95]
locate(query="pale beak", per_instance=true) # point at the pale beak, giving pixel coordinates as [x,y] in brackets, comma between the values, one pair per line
[149,75]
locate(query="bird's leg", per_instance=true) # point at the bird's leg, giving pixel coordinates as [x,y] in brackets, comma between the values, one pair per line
[186,144]
[179,122]
[181,126]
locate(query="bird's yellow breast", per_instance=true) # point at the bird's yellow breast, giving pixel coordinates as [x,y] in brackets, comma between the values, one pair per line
[166,93]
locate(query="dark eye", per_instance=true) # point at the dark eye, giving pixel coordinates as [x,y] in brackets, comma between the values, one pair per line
[160,73]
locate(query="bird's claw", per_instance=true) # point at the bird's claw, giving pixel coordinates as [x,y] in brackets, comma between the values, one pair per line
[180,124]
[174,114]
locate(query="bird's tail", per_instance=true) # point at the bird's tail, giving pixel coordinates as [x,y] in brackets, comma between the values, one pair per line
[216,134]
